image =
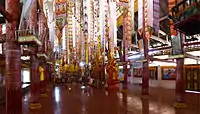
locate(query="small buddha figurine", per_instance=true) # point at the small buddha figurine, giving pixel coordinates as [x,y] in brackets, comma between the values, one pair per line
[41,70]
[63,9]
[58,11]
[57,1]
[63,1]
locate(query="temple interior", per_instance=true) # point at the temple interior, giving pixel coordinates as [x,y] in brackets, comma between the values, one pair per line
[99,56]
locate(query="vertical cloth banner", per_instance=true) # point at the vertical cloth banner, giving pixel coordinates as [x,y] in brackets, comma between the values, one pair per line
[113,8]
[140,16]
[156,16]
[132,6]
[148,17]
[150,12]
[113,25]
[125,38]
[170,6]
[61,15]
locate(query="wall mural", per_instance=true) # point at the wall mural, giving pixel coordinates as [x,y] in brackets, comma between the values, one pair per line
[192,76]
[168,73]
[137,72]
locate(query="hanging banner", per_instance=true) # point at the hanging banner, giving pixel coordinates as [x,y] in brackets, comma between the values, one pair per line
[132,6]
[170,6]
[113,25]
[60,23]
[59,35]
[125,35]
[140,15]
[150,12]
[61,8]
[61,14]
[156,16]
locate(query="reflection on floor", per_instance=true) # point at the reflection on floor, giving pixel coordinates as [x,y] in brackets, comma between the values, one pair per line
[62,100]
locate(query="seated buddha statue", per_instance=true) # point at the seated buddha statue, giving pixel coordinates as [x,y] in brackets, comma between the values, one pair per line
[41,71]
[63,9]
[58,11]
[57,1]
[63,1]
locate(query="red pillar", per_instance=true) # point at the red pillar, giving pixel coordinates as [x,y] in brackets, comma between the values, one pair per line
[35,81]
[180,90]
[125,102]
[125,70]
[145,36]
[47,72]
[34,61]
[13,62]
[145,77]
[145,106]
[0,30]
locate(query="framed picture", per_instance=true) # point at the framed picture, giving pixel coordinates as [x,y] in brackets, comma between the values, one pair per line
[168,73]
[192,77]
[137,72]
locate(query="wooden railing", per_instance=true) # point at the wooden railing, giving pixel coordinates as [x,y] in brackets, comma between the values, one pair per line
[27,32]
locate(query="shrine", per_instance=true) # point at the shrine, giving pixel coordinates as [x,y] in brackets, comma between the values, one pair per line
[117,56]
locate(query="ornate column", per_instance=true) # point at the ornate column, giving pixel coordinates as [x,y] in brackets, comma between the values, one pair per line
[145,77]
[145,106]
[35,83]
[13,61]
[34,62]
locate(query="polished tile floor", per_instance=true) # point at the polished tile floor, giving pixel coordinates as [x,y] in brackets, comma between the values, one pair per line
[61,100]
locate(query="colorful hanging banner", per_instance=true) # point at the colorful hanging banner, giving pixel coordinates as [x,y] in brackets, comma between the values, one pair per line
[150,12]
[140,16]
[127,32]
[61,14]
[58,34]
[113,26]
[61,8]
[132,9]
[172,3]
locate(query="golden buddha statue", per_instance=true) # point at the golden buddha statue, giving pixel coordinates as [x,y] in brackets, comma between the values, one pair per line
[63,1]
[63,9]
[58,11]
[41,70]
[57,1]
